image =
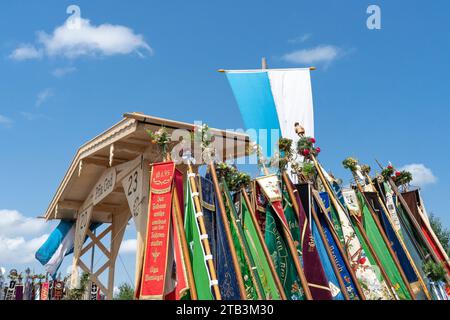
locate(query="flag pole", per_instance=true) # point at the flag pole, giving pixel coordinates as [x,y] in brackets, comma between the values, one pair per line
[415,223]
[337,204]
[330,254]
[290,190]
[300,131]
[201,222]
[293,251]
[223,213]
[178,220]
[339,246]
[263,244]
[385,239]
[399,238]
[247,257]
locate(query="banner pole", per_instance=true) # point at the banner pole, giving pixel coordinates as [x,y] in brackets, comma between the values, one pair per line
[416,224]
[263,244]
[339,246]
[336,204]
[202,227]
[295,258]
[223,213]
[288,185]
[385,239]
[179,223]
[402,243]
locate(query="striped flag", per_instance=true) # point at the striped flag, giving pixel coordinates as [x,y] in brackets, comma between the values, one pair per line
[58,245]
[274,99]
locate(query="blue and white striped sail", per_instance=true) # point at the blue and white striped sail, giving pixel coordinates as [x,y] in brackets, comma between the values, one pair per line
[274,99]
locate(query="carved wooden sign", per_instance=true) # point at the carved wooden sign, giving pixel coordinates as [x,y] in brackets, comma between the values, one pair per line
[132,186]
[82,225]
[104,186]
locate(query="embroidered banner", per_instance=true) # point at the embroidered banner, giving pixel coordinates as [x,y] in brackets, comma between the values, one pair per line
[58,289]
[44,291]
[271,188]
[157,239]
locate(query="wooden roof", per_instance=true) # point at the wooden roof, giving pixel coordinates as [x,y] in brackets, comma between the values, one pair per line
[129,140]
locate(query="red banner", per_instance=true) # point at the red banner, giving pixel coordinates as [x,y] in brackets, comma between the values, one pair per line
[44,291]
[158,227]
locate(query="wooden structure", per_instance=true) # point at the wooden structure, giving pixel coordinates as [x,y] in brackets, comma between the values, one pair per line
[108,182]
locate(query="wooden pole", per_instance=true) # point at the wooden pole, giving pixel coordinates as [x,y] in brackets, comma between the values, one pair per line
[201,223]
[248,260]
[414,222]
[339,246]
[330,254]
[413,265]
[263,244]
[290,242]
[187,260]
[386,241]
[287,182]
[223,213]
[336,204]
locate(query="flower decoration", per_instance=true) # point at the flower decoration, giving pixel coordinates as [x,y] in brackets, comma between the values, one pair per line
[306,148]
[350,163]
[160,137]
[234,179]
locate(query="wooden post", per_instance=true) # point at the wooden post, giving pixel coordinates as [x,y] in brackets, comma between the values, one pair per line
[263,63]
[386,240]
[201,224]
[119,223]
[413,219]
[263,244]
[336,204]
[339,246]
[223,213]
[413,265]
[290,242]
[187,260]
[245,252]
[287,182]
[329,253]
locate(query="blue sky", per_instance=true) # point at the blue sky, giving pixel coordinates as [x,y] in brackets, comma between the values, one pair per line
[377,93]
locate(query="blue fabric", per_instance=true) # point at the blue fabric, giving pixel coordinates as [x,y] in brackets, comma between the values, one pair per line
[343,271]
[226,275]
[256,103]
[398,249]
[47,250]
[326,263]
[326,202]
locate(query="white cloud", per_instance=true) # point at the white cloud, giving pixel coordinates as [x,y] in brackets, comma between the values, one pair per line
[5,121]
[18,250]
[15,224]
[61,72]
[20,237]
[43,96]
[85,39]
[421,174]
[128,246]
[320,54]
[300,39]
[26,52]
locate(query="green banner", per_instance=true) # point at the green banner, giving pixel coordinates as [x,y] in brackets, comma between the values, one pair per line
[196,252]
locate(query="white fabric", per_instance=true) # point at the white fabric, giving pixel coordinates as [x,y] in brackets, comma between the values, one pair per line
[66,244]
[292,93]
